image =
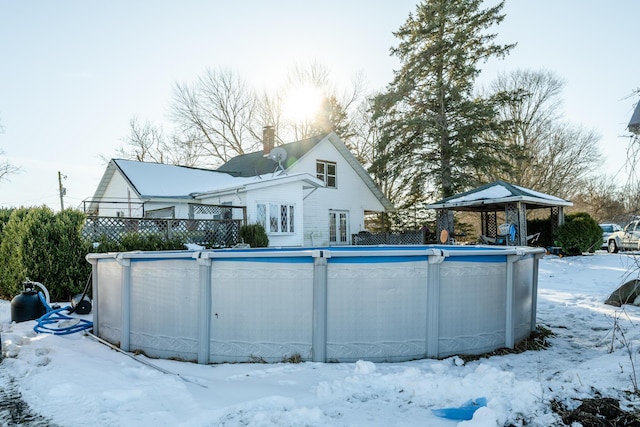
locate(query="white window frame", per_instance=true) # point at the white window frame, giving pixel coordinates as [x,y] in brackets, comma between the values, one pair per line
[277,218]
[324,175]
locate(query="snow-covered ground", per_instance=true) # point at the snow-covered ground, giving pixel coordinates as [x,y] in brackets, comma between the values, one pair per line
[74,380]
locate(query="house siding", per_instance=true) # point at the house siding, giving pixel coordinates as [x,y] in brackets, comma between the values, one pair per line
[119,190]
[290,193]
[351,195]
[354,193]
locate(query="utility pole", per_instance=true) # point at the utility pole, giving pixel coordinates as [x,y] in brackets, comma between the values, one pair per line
[63,190]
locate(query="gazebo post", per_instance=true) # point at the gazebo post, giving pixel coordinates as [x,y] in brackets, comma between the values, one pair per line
[522,227]
[511,217]
[489,224]
[556,217]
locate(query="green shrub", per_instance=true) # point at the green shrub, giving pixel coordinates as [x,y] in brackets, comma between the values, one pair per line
[5,214]
[53,251]
[138,242]
[70,270]
[580,233]
[254,235]
[44,247]
[12,270]
[38,244]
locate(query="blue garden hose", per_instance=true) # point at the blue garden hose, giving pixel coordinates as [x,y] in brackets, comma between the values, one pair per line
[52,317]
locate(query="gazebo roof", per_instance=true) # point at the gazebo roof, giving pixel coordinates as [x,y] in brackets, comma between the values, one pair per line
[494,196]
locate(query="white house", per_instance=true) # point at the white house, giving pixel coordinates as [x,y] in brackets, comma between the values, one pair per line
[312,192]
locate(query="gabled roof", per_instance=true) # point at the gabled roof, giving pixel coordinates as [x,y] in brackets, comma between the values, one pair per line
[158,180]
[634,123]
[493,196]
[150,180]
[253,164]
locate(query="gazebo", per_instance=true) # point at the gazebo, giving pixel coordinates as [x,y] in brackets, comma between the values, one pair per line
[499,196]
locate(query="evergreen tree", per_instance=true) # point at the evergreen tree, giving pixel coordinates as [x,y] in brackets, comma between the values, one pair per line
[434,129]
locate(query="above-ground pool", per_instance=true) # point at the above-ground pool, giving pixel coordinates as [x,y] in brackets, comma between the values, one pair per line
[336,304]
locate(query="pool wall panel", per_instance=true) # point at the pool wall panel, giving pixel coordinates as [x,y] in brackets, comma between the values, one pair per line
[382,304]
[164,308]
[524,290]
[261,309]
[109,301]
[374,308]
[471,307]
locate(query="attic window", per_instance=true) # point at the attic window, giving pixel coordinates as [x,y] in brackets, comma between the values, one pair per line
[326,171]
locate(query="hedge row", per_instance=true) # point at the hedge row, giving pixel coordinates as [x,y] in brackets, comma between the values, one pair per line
[40,245]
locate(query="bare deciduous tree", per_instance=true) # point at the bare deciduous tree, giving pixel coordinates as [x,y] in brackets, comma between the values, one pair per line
[547,153]
[337,108]
[218,113]
[6,168]
[601,198]
[147,142]
[220,116]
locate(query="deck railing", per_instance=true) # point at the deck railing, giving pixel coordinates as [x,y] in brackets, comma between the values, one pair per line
[211,233]
[390,238]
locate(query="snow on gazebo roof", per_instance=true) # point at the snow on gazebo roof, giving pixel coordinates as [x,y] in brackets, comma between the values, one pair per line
[495,195]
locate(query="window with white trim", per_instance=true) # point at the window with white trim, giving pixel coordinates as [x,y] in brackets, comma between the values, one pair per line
[326,171]
[276,218]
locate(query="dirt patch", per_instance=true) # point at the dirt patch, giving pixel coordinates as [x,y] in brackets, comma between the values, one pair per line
[15,411]
[597,412]
[537,340]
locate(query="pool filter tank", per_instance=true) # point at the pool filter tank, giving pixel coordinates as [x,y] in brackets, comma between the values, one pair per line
[27,305]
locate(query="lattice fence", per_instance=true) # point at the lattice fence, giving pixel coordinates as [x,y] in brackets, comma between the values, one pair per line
[390,238]
[205,232]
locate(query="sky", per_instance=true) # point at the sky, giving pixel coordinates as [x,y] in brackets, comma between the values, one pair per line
[73,380]
[73,73]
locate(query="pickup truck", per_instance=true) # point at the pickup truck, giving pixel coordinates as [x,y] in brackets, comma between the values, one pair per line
[627,239]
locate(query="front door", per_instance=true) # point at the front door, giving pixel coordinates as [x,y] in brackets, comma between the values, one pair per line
[338,227]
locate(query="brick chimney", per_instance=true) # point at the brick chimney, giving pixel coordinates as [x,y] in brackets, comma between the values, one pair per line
[268,138]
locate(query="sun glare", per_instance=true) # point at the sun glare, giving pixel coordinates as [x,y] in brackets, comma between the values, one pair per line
[302,103]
